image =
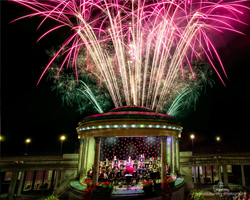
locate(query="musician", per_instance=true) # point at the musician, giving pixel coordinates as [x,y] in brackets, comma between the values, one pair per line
[103,175]
[100,170]
[107,162]
[90,172]
[116,178]
[158,173]
[142,158]
[110,175]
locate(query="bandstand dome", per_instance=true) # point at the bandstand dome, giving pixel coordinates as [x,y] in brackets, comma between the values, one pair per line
[130,121]
[127,122]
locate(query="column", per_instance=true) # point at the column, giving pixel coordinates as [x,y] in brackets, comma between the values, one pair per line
[52,180]
[12,185]
[90,158]
[194,168]
[33,181]
[219,169]
[163,158]
[177,155]
[205,169]
[173,167]
[169,152]
[198,171]
[96,161]
[20,185]
[44,172]
[212,170]
[243,176]
[80,158]
[56,177]
[225,175]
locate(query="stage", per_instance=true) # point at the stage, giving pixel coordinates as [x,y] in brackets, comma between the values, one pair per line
[129,192]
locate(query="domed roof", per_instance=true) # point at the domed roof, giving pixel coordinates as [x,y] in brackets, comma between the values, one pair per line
[131,112]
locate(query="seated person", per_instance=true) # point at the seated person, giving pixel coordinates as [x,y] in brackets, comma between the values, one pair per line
[168,169]
[117,176]
[141,159]
[109,171]
[111,177]
[100,170]
[158,174]
[90,173]
[136,176]
[103,176]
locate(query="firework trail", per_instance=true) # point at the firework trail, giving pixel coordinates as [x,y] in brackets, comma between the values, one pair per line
[138,50]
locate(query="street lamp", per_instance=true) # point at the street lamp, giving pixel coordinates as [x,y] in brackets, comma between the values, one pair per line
[27,141]
[62,138]
[218,140]
[192,138]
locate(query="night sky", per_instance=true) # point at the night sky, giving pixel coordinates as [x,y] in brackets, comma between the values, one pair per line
[28,110]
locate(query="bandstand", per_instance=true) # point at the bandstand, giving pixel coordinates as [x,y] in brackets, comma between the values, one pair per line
[129,122]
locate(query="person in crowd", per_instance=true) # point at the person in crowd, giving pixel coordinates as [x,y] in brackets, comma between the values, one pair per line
[103,176]
[90,172]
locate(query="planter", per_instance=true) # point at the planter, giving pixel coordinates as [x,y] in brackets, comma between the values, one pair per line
[171,184]
[157,186]
[102,193]
[147,189]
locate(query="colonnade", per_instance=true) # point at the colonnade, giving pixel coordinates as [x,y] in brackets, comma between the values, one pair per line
[89,155]
[22,174]
[220,172]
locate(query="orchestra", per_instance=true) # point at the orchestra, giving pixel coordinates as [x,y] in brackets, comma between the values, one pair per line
[126,171]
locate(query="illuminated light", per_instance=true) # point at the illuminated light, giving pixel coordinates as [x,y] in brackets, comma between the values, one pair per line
[142,125]
[218,138]
[28,140]
[93,127]
[62,138]
[192,136]
[88,128]
[133,126]
[107,126]
[116,126]
[157,126]
[163,126]
[150,126]
[100,126]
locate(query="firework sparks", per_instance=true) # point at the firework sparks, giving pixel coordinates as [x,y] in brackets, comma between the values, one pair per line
[139,49]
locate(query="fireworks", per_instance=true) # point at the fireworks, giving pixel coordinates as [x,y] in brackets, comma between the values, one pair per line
[140,51]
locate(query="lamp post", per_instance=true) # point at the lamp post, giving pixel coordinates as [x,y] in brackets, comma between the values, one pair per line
[218,140]
[27,141]
[62,138]
[192,138]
